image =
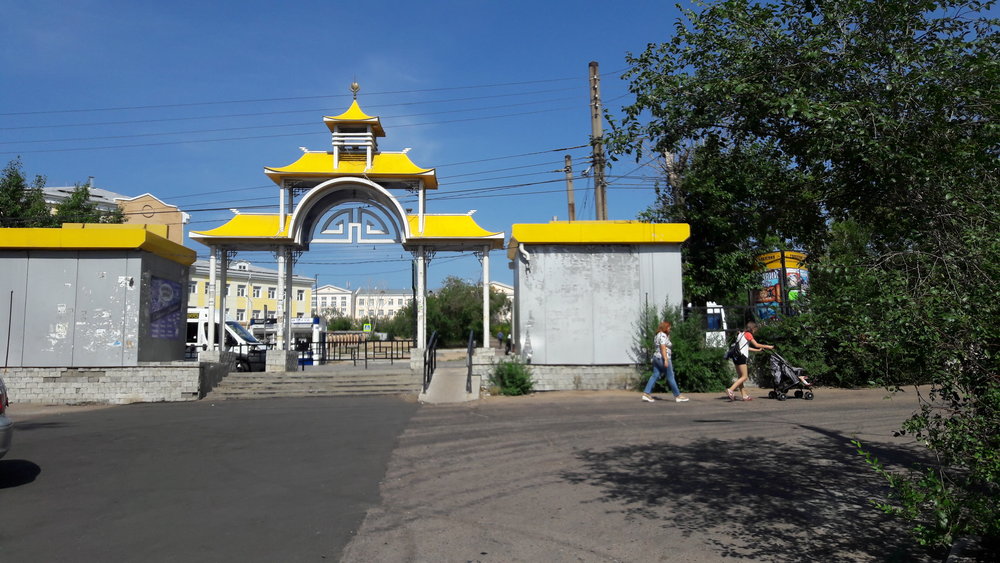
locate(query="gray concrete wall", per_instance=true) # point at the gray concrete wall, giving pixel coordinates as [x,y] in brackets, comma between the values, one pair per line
[92,308]
[162,309]
[578,304]
[281,361]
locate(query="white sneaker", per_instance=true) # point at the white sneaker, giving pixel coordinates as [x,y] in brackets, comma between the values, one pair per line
[681,399]
[647,398]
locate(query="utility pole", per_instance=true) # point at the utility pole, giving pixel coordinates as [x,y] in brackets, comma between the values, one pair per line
[569,187]
[597,134]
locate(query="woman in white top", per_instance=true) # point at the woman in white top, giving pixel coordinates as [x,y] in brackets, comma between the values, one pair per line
[747,344]
[663,364]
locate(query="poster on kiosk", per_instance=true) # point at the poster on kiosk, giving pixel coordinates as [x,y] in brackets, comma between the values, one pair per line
[784,279]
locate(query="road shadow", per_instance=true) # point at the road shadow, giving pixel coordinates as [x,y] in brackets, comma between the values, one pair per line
[17,472]
[27,426]
[808,499]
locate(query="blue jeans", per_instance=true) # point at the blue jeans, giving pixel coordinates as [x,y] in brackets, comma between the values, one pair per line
[659,368]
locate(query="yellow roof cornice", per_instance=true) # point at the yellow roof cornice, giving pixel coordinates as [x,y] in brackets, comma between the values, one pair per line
[355,115]
[451,231]
[395,165]
[248,228]
[94,236]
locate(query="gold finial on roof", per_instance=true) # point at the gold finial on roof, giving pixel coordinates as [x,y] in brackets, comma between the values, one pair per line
[355,88]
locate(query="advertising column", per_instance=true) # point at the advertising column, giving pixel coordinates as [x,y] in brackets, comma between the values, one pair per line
[784,279]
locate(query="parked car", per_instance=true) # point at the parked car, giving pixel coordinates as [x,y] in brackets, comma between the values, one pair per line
[6,426]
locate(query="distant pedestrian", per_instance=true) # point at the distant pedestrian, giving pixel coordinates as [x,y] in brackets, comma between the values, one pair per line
[663,364]
[507,344]
[500,338]
[745,344]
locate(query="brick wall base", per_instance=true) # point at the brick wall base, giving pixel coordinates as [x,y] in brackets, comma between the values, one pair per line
[146,383]
[583,378]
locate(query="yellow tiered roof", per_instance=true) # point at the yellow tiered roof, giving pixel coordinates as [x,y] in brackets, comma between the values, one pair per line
[395,165]
[459,230]
[355,115]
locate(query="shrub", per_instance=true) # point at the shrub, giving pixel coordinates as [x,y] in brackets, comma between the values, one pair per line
[698,367]
[801,343]
[511,377]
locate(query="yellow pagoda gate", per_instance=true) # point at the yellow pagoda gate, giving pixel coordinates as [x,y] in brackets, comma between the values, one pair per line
[344,195]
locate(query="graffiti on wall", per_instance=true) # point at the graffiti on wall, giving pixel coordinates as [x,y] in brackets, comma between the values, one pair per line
[165,308]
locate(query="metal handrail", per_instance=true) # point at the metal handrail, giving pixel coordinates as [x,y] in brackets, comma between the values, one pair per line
[468,361]
[430,359]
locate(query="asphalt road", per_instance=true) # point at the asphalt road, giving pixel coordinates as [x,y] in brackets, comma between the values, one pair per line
[266,480]
[585,476]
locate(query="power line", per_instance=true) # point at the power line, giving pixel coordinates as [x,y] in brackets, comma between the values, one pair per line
[286,112]
[251,137]
[294,98]
[273,126]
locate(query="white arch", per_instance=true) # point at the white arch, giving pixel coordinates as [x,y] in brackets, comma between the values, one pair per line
[376,193]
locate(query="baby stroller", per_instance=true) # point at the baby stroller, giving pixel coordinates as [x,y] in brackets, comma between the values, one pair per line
[786,378]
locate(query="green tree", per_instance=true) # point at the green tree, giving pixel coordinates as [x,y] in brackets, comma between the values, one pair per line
[79,208]
[403,323]
[738,201]
[457,309]
[339,322]
[22,204]
[886,112]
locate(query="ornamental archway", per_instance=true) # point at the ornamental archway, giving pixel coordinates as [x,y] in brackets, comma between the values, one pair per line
[344,196]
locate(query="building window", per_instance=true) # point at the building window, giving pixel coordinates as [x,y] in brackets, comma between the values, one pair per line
[256,291]
[361,302]
[300,295]
[192,287]
[256,313]
[206,288]
[241,290]
[227,290]
[270,293]
[241,315]
[298,315]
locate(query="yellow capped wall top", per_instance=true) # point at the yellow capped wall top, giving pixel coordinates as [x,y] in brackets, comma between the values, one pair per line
[600,232]
[97,236]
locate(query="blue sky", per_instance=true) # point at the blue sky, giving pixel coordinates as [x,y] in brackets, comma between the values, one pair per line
[189,101]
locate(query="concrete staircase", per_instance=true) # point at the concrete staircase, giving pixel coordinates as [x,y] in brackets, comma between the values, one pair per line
[316,381]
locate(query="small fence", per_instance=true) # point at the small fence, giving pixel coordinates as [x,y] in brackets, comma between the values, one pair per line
[358,348]
[430,359]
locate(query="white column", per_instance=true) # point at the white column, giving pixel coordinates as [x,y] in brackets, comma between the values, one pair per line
[286,324]
[421,203]
[212,291]
[280,313]
[281,207]
[223,279]
[421,299]
[486,297]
